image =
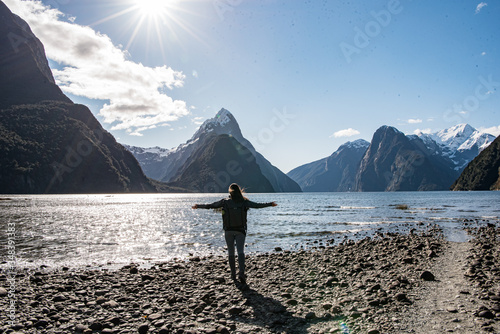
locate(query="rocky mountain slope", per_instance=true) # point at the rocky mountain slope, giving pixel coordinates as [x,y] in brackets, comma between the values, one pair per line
[334,173]
[482,173]
[26,76]
[217,164]
[394,162]
[167,165]
[47,143]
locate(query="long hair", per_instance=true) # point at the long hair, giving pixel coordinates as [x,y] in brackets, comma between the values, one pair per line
[236,193]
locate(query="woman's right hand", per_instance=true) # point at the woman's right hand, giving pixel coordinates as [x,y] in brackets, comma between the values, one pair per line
[195,206]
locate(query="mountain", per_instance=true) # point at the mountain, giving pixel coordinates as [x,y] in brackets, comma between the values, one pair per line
[482,173]
[26,77]
[47,143]
[167,165]
[220,162]
[334,173]
[395,162]
[460,143]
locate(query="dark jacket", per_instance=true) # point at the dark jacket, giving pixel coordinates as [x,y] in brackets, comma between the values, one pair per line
[227,203]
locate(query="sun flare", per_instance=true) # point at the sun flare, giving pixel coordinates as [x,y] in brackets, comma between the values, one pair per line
[151,7]
[153,21]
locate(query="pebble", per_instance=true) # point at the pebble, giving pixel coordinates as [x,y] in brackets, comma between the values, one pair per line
[365,282]
[427,276]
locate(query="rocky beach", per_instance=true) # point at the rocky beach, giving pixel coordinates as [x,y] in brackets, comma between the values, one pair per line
[414,282]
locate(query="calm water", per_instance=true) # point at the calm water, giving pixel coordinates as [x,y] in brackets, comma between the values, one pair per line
[79,230]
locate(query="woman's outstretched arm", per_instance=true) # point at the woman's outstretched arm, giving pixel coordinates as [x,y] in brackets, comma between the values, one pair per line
[213,205]
[255,205]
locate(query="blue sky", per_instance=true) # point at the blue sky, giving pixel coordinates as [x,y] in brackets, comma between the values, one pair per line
[301,77]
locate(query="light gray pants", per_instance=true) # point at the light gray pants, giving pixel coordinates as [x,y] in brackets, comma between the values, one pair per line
[237,237]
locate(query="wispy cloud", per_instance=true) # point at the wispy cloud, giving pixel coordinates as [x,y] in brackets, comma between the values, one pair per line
[414,121]
[345,133]
[198,120]
[494,130]
[419,131]
[93,67]
[480,6]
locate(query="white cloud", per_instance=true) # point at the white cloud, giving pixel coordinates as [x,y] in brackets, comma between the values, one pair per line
[345,133]
[93,67]
[494,130]
[426,131]
[414,121]
[480,6]
[198,120]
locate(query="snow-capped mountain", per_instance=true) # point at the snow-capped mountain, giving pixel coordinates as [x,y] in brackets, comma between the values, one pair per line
[165,165]
[394,161]
[460,143]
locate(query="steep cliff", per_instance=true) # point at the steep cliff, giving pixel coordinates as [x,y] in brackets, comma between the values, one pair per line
[47,143]
[482,173]
[222,161]
[394,162]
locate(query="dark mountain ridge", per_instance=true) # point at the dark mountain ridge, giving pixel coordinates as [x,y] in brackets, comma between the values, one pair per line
[482,173]
[26,75]
[394,162]
[217,164]
[168,165]
[334,173]
[48,144]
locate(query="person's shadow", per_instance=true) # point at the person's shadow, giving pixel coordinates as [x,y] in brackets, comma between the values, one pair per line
[270,314]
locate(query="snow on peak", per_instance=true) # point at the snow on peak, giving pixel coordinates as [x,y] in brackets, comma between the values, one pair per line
[461,143]
[222,118]
[479,139]
[223,123]
[359,143]
[462,137]
[456,135]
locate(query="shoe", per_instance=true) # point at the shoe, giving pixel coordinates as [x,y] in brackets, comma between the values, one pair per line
[243,279]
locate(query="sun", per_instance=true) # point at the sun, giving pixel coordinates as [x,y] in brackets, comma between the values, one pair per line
[152,7]
[152,20]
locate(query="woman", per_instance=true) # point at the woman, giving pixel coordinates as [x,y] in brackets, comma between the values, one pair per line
[234,217]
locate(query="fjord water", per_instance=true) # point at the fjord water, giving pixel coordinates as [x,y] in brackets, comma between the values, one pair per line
[112,230]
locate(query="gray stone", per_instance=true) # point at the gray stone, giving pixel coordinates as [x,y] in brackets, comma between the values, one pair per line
[143,329]
[427,276]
